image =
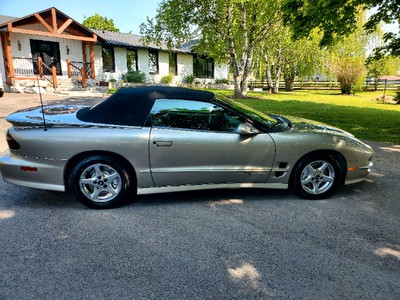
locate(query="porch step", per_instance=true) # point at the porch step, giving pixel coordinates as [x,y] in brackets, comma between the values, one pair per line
[69,84]
[97,91]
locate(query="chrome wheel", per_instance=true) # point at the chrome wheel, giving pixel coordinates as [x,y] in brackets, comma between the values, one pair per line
[317,177]
[100,182]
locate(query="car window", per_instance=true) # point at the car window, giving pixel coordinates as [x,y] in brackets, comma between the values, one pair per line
[195,115]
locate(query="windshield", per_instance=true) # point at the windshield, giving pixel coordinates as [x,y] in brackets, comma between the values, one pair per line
[254,114]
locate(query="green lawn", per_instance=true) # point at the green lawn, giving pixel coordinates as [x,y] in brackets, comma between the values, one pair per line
[359,114]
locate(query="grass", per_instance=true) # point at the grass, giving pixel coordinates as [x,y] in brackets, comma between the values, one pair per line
[359,114]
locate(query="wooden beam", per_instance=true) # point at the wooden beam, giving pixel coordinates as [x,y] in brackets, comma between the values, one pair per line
[69,68]
[61,36]
[54,19]
[84,56]
[44,23]
[64,26]
[54,75]
[7,57]
[40,66]
[91,55]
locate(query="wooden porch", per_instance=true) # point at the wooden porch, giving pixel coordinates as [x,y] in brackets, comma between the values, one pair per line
[47,23]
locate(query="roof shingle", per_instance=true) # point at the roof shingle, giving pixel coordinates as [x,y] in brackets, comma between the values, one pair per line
[128,40]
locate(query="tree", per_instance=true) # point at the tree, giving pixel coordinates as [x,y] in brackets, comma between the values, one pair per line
[337,18]
[279,54]
[227,30]
[98,22]
[378,67]
[346,61]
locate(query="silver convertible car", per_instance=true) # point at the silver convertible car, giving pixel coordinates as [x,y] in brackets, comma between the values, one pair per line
[163,139]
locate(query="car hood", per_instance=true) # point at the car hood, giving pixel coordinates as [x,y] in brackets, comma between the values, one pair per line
[54,115]
[305,125]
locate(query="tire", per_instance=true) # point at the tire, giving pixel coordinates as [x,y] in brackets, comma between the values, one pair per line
[100,182]
[316,176]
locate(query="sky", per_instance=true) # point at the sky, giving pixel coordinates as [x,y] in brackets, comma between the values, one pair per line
[127,15]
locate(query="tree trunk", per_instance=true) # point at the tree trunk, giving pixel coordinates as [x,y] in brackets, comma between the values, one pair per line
[376,80]
[269,77]
[278,73]
[289,79]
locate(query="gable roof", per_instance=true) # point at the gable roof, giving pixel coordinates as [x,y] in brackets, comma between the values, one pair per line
[54,23]
[128,40]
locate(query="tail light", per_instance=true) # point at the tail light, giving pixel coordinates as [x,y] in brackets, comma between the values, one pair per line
[12,143]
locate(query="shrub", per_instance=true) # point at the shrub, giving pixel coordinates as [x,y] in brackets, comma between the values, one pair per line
[167,79]
[113,80]
[134,76]
[197,82]
[189,79]
[221,81]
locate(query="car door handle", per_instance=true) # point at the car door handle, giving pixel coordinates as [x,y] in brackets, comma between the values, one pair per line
[163,143]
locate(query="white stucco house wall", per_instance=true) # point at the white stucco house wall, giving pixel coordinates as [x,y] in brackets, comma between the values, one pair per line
[51,45]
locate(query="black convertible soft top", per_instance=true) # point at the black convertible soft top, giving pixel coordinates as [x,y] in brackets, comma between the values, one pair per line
[131,106]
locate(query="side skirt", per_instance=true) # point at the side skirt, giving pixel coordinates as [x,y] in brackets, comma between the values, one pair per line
[182,188]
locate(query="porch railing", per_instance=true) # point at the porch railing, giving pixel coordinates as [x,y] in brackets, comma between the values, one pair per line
[79,71]
[25,67]
[32,68]
[48,73]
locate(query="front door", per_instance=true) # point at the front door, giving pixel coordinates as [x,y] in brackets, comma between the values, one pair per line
[194,142]
[50,54]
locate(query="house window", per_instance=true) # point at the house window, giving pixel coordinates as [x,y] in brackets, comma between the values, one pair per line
[173,63]
[108,59]
[153,62]
[203,67]
[131,60]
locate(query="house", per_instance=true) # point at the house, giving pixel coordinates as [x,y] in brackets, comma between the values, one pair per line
[53,47]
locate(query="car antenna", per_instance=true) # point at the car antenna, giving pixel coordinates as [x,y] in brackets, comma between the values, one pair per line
[41,104]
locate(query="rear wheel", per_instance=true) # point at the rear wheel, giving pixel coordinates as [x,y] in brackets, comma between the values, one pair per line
[316,176]
[100,182]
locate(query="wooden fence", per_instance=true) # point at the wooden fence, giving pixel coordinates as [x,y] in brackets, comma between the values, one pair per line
[369,85]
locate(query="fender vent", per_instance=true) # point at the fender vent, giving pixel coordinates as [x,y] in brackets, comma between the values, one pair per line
[283,167]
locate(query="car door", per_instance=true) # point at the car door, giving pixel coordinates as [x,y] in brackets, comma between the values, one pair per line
[193,142]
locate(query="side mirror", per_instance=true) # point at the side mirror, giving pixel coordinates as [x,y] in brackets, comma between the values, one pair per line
[247,129]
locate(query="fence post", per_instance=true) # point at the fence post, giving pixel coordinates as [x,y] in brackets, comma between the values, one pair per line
[69,68]
[384,91]
[83,72]
[54,74]
[40,66]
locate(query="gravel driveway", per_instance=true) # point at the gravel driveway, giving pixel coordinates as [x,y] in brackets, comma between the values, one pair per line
[225,244]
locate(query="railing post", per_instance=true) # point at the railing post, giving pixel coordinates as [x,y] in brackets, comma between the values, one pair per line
[40,66]
[83,72]
[54,73]
[69,68]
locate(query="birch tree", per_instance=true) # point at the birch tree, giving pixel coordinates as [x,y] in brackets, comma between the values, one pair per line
[226,30]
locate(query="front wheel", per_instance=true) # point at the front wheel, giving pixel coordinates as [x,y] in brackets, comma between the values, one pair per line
[316,176]
[100,182]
